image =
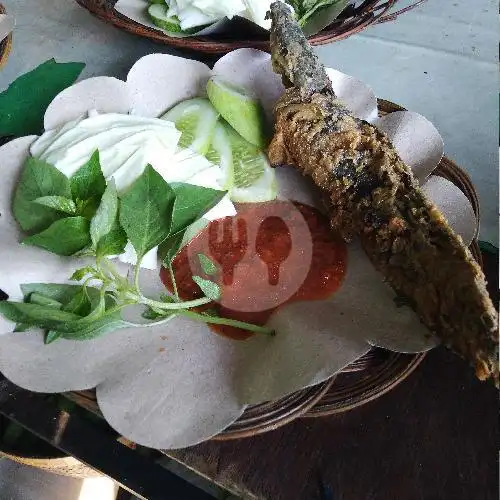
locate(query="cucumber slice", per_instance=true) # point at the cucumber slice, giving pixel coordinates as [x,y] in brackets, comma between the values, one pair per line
[245,170]
[249,177]
[196,119]
[265,188]
[158,12]
[220,153]
[244,113]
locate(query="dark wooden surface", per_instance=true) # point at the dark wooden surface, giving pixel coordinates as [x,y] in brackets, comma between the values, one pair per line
[93,445]
[434,437]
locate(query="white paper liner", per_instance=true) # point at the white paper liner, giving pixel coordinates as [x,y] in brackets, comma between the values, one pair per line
[358,96]
[454,205]
[103,94]
[416,140]
[179,384]
[159,81]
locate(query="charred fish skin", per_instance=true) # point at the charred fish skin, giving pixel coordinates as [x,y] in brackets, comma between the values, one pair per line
[373,194]
[292,55]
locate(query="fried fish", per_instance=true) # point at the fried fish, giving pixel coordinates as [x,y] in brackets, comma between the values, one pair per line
[372,194]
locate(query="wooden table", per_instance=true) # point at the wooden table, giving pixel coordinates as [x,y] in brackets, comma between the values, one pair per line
[434,437]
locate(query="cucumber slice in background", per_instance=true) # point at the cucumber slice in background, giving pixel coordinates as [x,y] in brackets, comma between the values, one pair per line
[161,16]
[158,12]
[243,112]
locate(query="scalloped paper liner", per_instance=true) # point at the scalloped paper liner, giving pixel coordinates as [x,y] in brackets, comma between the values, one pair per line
[179,384]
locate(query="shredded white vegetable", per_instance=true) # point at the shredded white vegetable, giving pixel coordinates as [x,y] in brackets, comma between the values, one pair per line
[194,13]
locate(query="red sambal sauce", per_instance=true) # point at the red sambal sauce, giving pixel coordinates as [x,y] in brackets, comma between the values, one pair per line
[271,249]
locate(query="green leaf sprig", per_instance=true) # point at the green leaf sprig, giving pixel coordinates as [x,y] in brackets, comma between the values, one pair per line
[55,211]
[84,216]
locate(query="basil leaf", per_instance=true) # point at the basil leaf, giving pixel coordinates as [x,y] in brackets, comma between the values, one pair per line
[113,243]
[108,238]
[207,264]
[108,322]
[88,181]
[105,216]
[62,321]
[80,304]
[71,298]
[36,315]
[296,4]
[63,237]
[191,202]
[42,300]
[51,336]
[38,179]
[24,103]
[152,314]
[87,208]
[169,248]
[79,274]
[95,308]
[21,327]
[168,299]
[146,210]
[59,203]
[61,293]
[209,288]
[149,313]
[80,316]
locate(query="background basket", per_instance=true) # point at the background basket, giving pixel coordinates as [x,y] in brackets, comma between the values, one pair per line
[5,44]
[354,19]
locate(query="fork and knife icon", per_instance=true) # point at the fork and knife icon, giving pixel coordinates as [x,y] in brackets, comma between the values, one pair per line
[229,250]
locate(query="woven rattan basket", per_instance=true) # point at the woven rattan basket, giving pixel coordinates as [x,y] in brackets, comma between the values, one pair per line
[354,19]
[366,379]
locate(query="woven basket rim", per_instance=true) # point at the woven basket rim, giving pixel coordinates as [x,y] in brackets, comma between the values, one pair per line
[368,13]
[446,168]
